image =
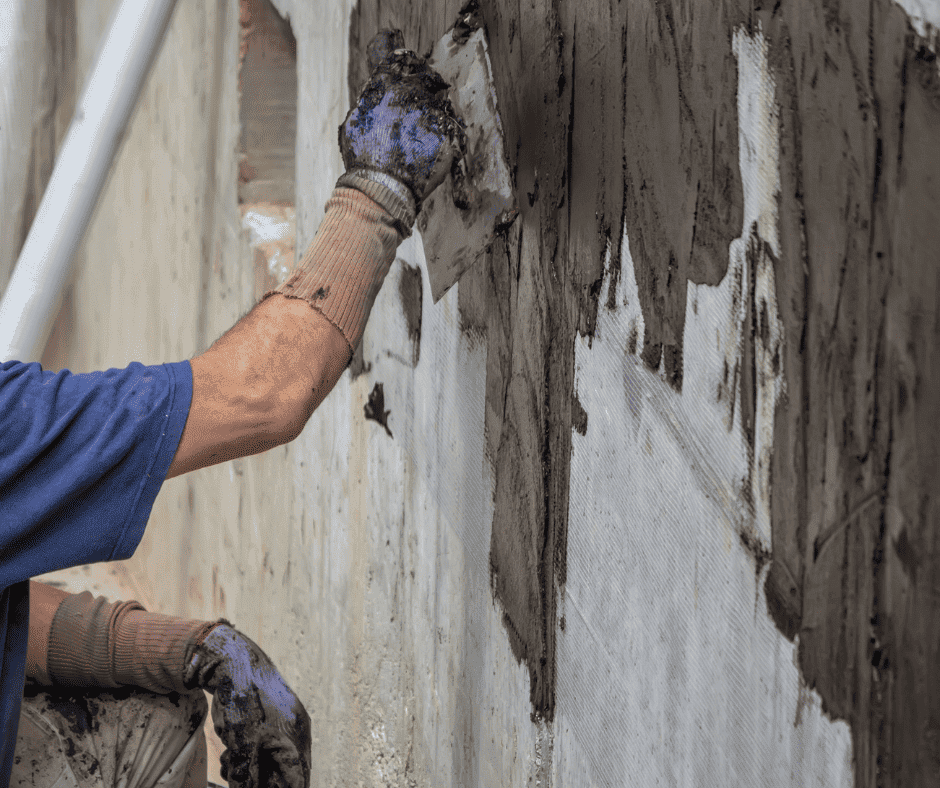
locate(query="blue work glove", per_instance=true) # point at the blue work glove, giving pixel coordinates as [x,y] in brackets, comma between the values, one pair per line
[261,722]
[403,126]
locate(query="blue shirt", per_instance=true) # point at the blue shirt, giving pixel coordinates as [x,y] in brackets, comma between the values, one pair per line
[82,458]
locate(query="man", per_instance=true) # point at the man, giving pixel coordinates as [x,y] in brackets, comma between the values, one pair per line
[114,693]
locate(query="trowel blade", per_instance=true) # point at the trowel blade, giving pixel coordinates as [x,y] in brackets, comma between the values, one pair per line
[455,238]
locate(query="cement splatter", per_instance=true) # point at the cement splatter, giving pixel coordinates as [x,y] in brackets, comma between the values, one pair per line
[859,123]
[374,409]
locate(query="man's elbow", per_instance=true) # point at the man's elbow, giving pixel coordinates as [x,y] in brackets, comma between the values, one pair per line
[289,411]
[290,384]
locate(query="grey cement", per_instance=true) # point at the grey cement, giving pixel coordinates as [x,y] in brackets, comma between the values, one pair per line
[626,114]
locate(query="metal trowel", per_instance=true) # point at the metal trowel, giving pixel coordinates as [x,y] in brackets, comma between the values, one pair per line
[456,237]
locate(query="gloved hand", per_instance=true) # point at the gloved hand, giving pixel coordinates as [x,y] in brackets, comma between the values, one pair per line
[262,723]
[403,124]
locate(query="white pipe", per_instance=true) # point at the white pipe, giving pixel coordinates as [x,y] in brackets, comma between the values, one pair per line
[34,293]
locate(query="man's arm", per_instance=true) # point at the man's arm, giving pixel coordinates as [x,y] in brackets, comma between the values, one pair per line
[253,389]
[257,386]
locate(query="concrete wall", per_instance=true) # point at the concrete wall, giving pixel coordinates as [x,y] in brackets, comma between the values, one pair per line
[37,52]
[608,445]
[19,60]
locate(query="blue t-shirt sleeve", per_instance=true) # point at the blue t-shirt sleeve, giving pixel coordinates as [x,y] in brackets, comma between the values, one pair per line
[82,458]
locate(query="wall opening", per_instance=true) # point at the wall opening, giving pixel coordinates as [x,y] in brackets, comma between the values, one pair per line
[267,81]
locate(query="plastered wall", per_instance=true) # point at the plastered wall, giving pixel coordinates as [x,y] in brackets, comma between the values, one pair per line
[628,510]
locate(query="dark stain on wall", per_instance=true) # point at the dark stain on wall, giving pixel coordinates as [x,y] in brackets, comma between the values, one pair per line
[375,410]
[357,363]
[683,197]
[607,124]
[410,291]
[625,114]
[579,416]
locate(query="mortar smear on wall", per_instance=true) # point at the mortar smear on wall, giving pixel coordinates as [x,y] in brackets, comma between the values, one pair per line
[664,487]
[747,346]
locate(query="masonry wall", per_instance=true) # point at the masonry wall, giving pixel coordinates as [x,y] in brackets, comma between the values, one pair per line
[652,501]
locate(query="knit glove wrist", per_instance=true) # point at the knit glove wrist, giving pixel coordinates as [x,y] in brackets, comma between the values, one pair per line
[390,193]
[261,722]
[96,643]
[343,269]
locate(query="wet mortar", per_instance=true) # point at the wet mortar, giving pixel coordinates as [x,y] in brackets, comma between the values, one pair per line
[627,119]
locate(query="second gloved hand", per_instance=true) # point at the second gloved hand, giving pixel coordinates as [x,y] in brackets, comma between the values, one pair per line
[261,722]
[403,124]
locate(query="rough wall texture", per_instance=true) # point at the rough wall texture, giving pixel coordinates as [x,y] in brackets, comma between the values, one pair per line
[635,128]
[681,413]
[625,113]
[854,515]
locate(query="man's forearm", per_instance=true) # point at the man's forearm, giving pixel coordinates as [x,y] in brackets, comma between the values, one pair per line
[257,386]
[85,641]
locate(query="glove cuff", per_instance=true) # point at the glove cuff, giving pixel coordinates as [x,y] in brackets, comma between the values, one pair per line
[80,652]
[342,271]
[94,643]
[44,602]
[151,650]
[393,195]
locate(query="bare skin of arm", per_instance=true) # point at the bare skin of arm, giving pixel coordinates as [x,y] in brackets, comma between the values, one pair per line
[254,389]
[257,386]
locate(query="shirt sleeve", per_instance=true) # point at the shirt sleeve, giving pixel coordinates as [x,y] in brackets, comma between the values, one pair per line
[82,458]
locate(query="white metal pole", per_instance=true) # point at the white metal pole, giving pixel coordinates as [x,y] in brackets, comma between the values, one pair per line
[34,293]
